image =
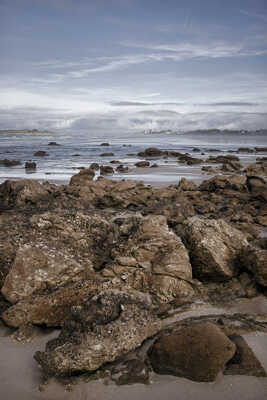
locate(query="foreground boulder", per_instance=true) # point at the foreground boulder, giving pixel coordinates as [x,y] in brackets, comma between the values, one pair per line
[198,352]
[214,247]
[82,177]
[113,324]
[223,182]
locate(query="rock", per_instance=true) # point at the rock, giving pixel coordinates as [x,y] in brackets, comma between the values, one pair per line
[106,170]
[129,372]
[262,220]
[213,247]
[85,175]
[53,144]
[222,159]
[35,271]
[142,164]
[255,260]
[151,152]
[115,162]
[231,166]
[245,150]
[94,166]
[107,154]
[223,182]
[40,154]
[185,184]
[105,144]
[196,150]
[256,169]
[112,324]
[198,352]
[256,183]
[261,149]
[122,169]
[244,361]
[187,159]
[9,163]
[25,192]
[30,165]
[54,308]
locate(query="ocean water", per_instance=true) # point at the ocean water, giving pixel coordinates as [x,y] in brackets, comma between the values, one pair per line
[80,149]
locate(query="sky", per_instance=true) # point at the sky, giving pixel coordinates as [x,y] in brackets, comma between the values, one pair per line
[132,65]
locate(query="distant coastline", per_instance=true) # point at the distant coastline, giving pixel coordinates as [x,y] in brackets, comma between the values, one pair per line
[206,131]
[33,131]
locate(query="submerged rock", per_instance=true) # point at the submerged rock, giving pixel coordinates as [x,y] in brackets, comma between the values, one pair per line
[198,352]
[112,324]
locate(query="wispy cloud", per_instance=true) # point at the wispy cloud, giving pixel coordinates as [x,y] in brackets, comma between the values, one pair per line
[230,104]
[142,104]
[254,15]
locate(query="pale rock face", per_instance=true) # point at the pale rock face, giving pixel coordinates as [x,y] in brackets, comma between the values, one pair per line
[34,271]
[114,323]
[213,247]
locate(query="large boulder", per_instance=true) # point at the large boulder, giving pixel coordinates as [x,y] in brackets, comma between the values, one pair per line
[198,352]
[152,258]
[35,270]
[113,324]
[151,152]
[214,246]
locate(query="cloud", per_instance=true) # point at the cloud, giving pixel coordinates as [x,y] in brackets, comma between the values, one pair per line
[260,17]
[142,104]
[230,104]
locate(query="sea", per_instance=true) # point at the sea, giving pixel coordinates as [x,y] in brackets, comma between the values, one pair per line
[79,149]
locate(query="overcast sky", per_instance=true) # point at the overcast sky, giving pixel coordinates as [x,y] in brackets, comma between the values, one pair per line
[133,64]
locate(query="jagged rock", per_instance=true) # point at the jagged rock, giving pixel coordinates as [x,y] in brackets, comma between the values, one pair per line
[244,361]
[231,166]
[213,247]
[82,177]
[222,182]
[113,324]
[154,260]
[256,169]
[25,193]
[255,260]
[222,159]
[187,159]
[198,352]
[34,271]
[122,169]
[54,308]
[185,184]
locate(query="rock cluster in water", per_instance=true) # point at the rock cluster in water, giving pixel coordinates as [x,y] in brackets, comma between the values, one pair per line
[108,261]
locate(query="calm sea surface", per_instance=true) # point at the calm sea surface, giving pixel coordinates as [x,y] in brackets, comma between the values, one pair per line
[81,149]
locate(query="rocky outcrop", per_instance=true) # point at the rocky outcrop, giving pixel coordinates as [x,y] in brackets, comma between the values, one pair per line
[222,182]
[214,247]
[142,164]
[198,352]
[40,153]
[9,163]
[30,165]
[35,270]
[112,324]
[151,152]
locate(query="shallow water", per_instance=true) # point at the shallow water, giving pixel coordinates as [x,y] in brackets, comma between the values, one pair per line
[79,149]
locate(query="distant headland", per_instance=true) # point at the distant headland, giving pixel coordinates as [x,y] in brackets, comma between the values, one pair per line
[34,131]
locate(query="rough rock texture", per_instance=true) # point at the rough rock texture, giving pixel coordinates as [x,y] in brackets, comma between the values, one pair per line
[219,182]
[35,270]
[152,258]
[83,176]
[214,247]
[185,184]
[198,352]
[244,361]
[255,260]
[113,324]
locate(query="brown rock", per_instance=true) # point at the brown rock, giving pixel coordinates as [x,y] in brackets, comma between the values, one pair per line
[113,324]
[142,164]
[151,152]
[82,177]
[40,154]
[107,154]
[9,163]
[30,165]
[198,352]
[185,184]
[106,170]
[255,260]
[213,247]
[222,182]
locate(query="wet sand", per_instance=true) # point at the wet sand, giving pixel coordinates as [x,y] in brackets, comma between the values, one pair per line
[20,376]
